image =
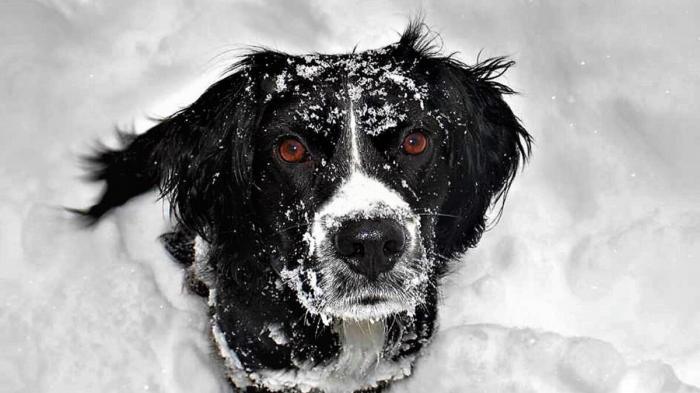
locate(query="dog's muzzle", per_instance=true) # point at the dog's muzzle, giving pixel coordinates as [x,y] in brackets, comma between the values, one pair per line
[366,257]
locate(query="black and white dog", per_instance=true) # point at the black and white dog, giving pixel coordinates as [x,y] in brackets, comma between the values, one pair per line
[320,198]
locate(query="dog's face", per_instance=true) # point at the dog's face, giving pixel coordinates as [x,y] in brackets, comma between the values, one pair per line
[352,165]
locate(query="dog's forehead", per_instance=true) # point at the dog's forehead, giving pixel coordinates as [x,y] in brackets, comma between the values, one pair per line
[381,88]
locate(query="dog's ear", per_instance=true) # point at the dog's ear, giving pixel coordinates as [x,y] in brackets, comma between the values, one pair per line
[486,142]
[487,145]
[200,157]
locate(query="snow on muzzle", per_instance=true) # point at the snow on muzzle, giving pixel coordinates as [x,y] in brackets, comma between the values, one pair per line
[369,258]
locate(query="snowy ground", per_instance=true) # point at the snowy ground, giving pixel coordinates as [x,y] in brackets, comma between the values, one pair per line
[588,284]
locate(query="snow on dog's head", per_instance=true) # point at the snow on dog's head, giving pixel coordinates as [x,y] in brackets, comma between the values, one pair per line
[379,165]
[365,256]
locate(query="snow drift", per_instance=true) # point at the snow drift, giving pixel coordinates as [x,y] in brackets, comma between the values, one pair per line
[599,237]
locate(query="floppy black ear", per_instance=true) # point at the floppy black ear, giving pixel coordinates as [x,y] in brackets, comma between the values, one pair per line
[487,147]
[199,157]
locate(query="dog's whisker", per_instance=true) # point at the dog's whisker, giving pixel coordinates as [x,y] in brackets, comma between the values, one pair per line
[439,256]
[439,215]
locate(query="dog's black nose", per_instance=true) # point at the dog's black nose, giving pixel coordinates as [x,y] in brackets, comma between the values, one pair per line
[370,247]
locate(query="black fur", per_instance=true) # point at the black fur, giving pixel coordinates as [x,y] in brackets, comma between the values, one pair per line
[213,162]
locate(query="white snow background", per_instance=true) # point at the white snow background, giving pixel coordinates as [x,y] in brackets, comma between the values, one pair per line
[590,283]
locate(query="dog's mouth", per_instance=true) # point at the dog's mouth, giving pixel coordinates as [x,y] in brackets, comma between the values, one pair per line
[371,300]
[337,290]
[367,308]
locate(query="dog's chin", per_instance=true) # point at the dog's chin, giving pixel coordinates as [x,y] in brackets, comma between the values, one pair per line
[369,308]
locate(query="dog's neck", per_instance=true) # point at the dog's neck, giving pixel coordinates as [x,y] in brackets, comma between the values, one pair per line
[362,363]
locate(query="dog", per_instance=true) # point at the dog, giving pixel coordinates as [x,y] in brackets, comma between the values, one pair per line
[319,199]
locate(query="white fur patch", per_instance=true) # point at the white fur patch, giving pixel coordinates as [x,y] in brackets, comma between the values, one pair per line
[360,364]
[362,344]
[354,142]
[362,196]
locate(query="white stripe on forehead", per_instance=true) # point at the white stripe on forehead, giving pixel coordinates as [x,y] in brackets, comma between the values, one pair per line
[359,193]
[354,143]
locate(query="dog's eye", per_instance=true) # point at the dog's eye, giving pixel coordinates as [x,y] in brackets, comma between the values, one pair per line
[291,150]
[415,143]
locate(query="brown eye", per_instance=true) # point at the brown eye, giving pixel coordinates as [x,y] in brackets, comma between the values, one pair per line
[415,143]
[291,150]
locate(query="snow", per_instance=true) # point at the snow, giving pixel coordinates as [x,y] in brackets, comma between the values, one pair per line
[491,358]
[587,284]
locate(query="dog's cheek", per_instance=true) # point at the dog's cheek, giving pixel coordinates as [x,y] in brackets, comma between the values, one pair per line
[426,233]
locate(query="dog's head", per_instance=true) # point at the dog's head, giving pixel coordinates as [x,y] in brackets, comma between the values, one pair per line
[353,177]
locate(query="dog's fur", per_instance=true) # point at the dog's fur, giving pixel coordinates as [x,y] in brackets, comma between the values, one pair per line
[256,232]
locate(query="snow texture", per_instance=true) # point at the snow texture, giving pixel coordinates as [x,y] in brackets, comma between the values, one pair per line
[589,283]
[490,358]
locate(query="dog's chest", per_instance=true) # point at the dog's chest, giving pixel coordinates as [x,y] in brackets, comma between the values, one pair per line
[360,364]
